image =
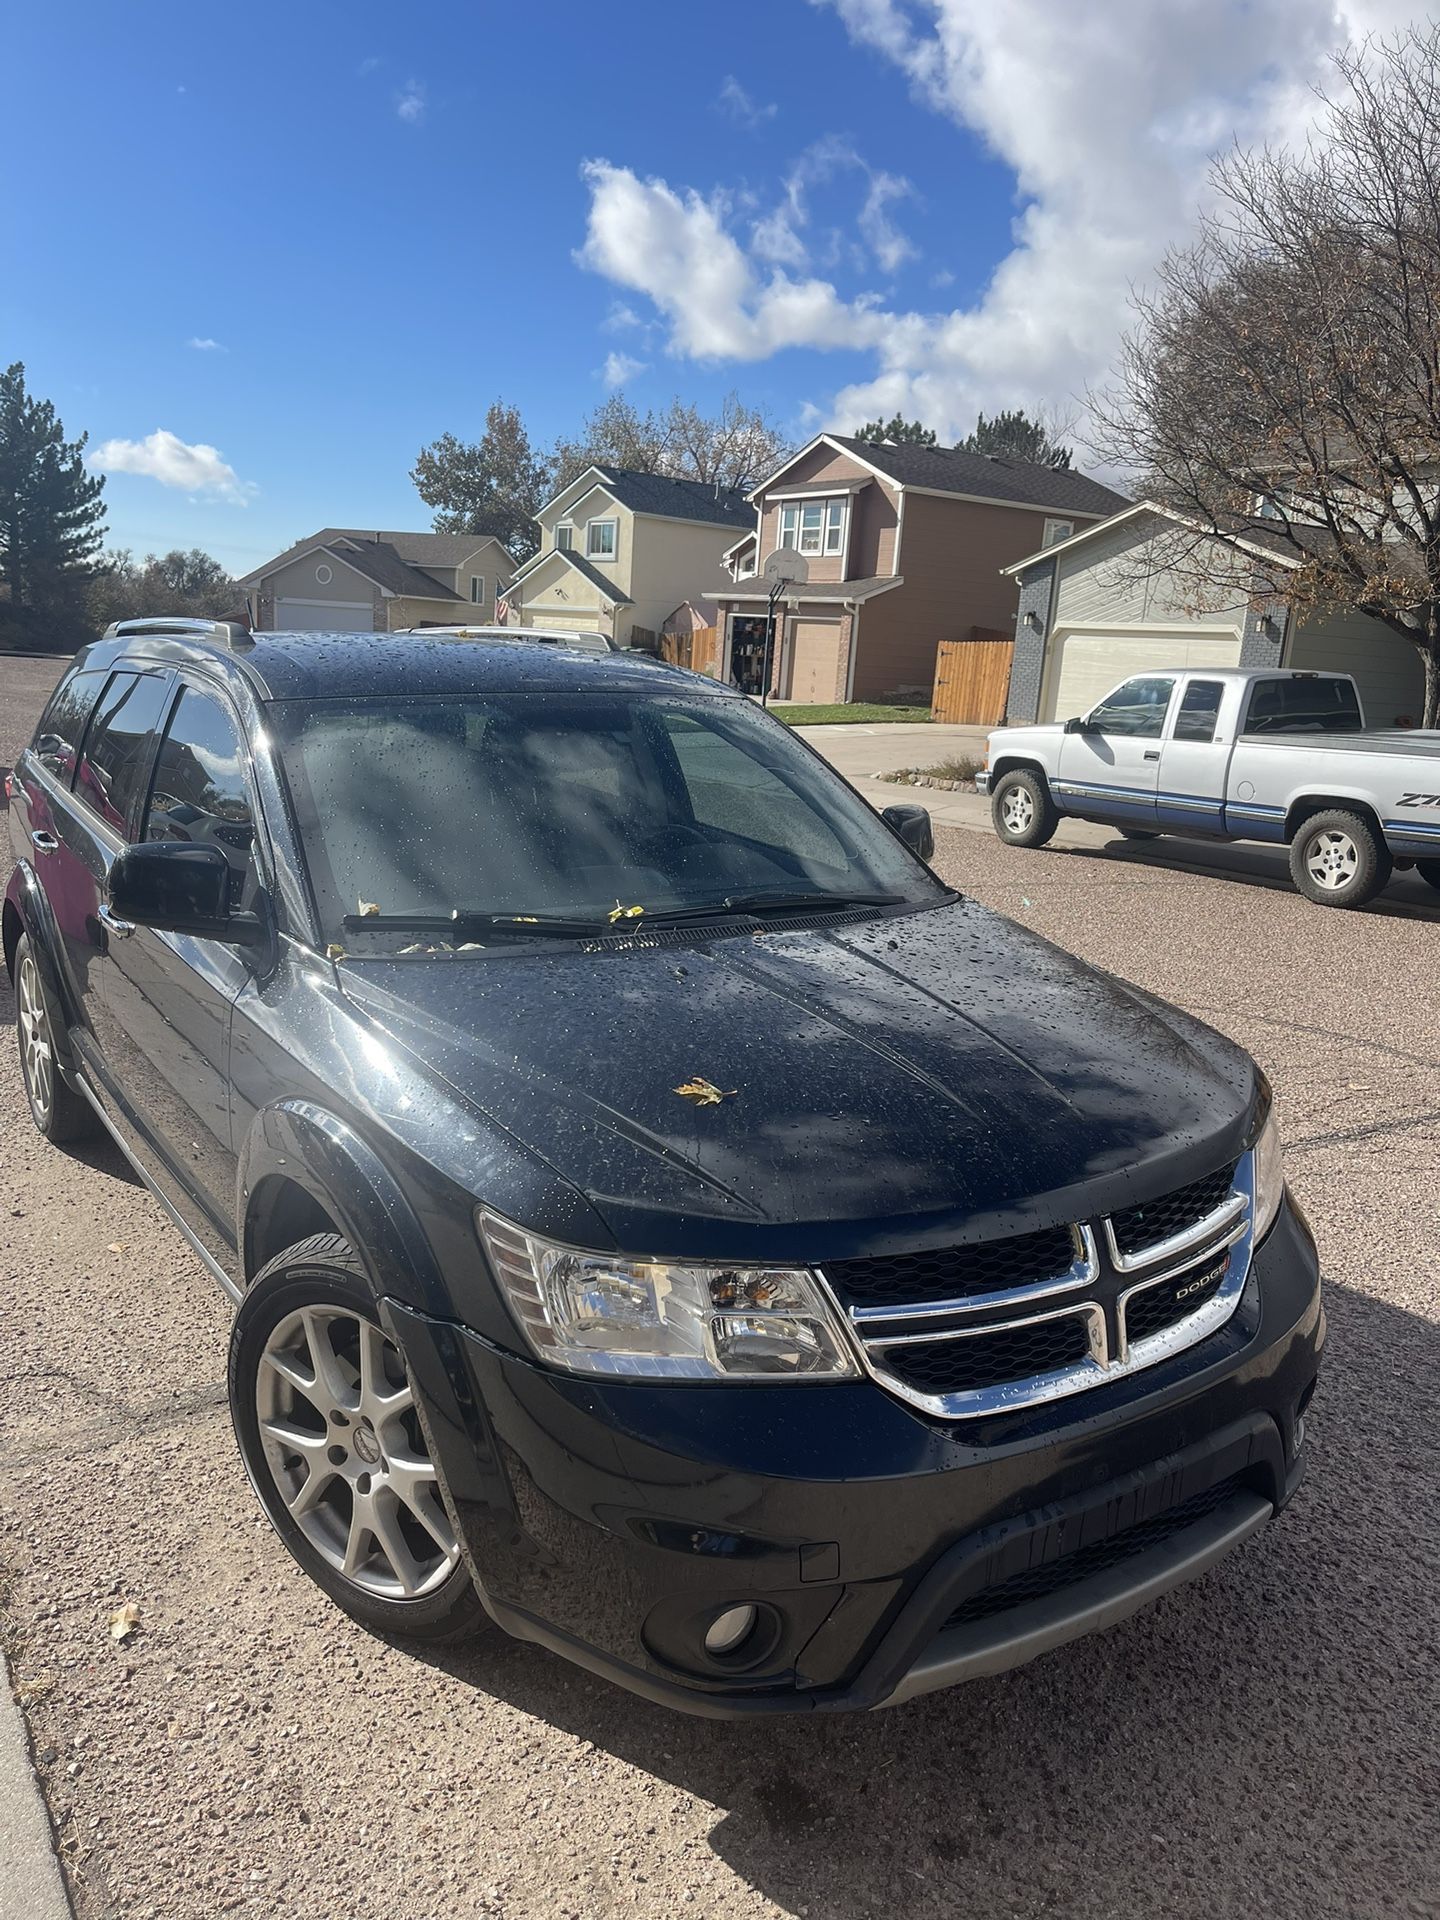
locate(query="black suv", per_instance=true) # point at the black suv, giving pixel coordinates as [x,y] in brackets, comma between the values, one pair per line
[664,1218]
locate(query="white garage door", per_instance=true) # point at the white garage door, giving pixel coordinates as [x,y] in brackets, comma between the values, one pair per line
[1085,666]
[323,616]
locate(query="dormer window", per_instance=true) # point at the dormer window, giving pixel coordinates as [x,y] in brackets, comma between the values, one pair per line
[600,539]
[564,537]
[814,526]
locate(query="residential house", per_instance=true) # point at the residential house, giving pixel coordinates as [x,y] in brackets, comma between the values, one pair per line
[903,546]
[1116,599]
[344,579]
[619,550]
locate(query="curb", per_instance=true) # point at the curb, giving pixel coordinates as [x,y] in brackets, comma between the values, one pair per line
[30,1877]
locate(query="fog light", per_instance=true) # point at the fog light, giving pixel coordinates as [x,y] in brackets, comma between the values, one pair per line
[729,1630]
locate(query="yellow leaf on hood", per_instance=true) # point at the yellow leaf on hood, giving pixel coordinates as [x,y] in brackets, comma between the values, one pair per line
[369,909]
[704,1094]
[617,912]
[124,1621]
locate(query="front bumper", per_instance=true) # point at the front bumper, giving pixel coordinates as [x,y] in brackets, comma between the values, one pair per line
[888,1553]
[982,780]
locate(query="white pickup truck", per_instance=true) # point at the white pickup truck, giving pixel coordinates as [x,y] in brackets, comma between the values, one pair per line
[1224,754]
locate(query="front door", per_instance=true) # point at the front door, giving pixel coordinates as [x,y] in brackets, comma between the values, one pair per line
[1111,770]
[168,996]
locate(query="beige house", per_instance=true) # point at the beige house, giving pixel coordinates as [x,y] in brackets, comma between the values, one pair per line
[620,550]
[347,580]
[903,545]
[1114,600]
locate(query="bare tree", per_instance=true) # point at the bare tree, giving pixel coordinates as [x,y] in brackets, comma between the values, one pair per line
[1281,389]
[733,447]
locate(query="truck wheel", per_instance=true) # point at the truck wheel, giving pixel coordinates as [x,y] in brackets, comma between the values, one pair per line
[331,1436]
[1022,810]
[1338,860]
[1429,872]
[57,1110]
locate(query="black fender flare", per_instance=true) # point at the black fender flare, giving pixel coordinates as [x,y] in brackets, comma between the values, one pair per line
[316,1150]
[37,919]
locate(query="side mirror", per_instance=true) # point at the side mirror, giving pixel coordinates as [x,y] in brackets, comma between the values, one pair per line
[914,828]
[1079,724]
[179,889]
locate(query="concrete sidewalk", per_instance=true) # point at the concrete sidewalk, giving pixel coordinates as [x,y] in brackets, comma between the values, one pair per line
[31,1886]
[859,751]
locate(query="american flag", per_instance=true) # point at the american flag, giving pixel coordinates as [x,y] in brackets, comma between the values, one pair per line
[502,609]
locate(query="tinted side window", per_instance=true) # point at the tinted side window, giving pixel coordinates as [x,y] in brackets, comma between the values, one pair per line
[62,725]
[1199,710]
[199,793]
[108,777]
[1303,706]
[1137,709]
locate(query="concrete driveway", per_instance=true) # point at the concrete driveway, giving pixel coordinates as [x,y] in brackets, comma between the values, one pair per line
[1260,1743]
[860,751]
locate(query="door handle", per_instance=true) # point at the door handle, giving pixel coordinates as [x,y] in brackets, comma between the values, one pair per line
[1152,753]
[43,842]
[117,929]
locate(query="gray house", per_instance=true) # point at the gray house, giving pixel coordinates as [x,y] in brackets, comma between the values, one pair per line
[1111,601]
[347,579]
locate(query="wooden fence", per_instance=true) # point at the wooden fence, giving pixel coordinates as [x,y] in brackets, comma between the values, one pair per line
[698,650]
[972,679]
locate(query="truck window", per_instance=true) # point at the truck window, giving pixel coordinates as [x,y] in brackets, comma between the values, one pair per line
[1137,709]
[199,793]
[1199,711]
[118,743]
[1303,705]
[57,738]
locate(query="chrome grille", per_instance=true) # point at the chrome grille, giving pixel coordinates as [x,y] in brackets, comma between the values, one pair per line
[1012,1323]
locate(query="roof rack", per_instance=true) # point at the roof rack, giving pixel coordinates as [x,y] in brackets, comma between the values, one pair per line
[232,632]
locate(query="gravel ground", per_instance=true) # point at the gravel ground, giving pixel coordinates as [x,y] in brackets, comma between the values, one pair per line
[1262,1742]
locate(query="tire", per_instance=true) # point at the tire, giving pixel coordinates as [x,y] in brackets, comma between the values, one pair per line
[1338,860]
[58,1111]
[1022,811]
[1138,833]
[1429,872]
[354,1423]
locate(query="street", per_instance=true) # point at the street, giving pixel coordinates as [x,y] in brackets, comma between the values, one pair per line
[1262,1742]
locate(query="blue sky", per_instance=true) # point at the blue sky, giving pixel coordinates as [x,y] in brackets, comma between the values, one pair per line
[381,218]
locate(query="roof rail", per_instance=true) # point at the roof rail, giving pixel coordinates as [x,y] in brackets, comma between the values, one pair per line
[233,633]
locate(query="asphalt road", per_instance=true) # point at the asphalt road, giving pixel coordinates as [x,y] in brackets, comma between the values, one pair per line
[1262,1743]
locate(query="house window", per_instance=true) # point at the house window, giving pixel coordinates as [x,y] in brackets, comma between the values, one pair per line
[814,526]
[477,590]
[600,539]
[564,537]
[1057,530]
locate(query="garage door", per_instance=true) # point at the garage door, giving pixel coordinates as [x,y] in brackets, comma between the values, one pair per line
[1085,666]
[814,661]
[323,616]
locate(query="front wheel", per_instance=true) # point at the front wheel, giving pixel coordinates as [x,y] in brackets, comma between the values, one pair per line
[1338,860]
[57,1110]
[331,1436]
[1023,813]
[1429,872]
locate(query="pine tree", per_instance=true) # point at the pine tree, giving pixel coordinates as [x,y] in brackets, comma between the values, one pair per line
[51,521]
[901,432]
[1013,435]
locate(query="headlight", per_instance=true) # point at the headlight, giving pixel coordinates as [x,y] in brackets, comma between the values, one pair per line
[603,1313]
[1269,1174]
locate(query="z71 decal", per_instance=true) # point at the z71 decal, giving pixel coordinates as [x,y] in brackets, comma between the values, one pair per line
[1418,800]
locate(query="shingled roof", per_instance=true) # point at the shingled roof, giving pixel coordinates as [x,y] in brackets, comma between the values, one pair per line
[988,476]
[412,549]
[676,499]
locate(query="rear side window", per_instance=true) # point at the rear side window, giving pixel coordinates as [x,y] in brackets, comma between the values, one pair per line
[62,725]
[199,795]
[1303,706]
[113,761]
[1199,711]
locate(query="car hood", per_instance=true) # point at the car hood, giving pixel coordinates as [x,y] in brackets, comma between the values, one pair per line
[919,1076]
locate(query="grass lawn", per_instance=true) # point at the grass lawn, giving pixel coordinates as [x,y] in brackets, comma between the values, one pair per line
[853,715]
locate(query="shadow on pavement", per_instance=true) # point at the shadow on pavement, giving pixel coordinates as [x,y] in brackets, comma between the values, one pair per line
[1259,1741]
[1407,895]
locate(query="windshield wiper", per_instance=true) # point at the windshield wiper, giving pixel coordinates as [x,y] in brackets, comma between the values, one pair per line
[755,903]
[466,923]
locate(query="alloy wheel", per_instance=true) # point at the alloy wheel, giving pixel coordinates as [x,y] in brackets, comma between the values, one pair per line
[1017,810]
[37,1055]
[343,1443]
[1332,860]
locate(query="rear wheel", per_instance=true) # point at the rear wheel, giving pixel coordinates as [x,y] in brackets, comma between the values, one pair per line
[1429,872]
[332,1439]
[1338,860]
[1023,813]
[57,1110]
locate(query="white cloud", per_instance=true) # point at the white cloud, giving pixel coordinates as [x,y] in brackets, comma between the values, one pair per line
[367,66]
[621,318]
[201,345]
[778,237]
[163,456]
[1106,119]
[620,368]
[741,106]
[411,104]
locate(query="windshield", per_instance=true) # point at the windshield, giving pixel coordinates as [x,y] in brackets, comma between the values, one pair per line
[573,807]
